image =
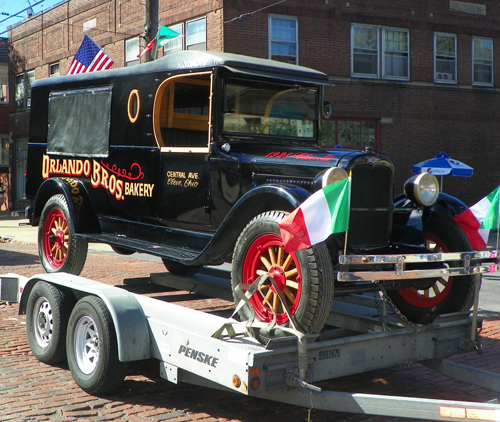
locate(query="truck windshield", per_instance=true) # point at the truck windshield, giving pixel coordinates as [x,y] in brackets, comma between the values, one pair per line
[256,107]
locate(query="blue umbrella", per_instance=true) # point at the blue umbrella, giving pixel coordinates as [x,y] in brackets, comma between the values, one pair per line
[442,165]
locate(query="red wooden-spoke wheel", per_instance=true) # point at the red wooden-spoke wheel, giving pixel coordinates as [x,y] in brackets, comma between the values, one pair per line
[266,255]
[304,278]
[55,238]
[426,299]
[59,248]
[435,294]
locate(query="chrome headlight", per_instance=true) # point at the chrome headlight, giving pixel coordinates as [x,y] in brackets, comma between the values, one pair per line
[333,175]
[422,189]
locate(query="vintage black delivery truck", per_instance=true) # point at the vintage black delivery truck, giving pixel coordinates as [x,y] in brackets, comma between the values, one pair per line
[197,156]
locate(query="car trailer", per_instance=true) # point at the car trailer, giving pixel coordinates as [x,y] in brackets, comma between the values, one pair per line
[363,334]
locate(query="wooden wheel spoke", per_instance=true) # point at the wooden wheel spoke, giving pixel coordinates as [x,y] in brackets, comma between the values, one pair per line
[442,281]
[272,255]
[281,254]
[266,262]
[435,289]
[289,294]
[276,302]
[287,262]
[292,273]
[292,284]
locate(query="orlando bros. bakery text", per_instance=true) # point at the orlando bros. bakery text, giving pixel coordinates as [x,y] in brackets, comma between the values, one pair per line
[119,182]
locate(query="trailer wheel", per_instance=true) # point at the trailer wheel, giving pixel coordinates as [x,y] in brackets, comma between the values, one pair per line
[92,347]
[423,303]
[176,268]
[305,278]
[47,316]
[58,247]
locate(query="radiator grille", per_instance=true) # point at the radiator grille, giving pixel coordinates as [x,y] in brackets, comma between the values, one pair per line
[371,206]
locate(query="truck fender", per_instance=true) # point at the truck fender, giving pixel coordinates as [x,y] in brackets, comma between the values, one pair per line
[77,198]
[258,200]
[130,322]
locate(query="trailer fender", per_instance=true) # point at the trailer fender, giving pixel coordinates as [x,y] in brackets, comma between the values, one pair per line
[130,322]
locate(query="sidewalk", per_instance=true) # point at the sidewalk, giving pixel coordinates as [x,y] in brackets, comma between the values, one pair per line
[18,229]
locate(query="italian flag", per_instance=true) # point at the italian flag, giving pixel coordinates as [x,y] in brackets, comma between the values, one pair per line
[323,213]
[478,220]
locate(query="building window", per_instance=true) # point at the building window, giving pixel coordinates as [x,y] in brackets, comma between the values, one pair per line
[445,58]
[283,36]
[196,38]
[131,52]
[350,133]
[53,70]
[193,36]
[3,93]
[482,63]
[23,89]
[379,52]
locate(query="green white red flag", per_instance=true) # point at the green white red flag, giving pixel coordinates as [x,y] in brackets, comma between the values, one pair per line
[478,220]
[323,213]
[163,34]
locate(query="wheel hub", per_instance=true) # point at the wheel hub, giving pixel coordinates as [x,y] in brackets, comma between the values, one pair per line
[279,277]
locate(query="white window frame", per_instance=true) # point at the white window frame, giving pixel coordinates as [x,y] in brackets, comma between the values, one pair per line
[52,72]
[132,50]
[185,41]
[379,52]
[482,62]
[23,89]
[445,77]
[272,40]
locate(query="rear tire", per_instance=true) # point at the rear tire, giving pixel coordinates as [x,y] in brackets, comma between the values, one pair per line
[447,294]
[92,347]
[304,277]
[59,249]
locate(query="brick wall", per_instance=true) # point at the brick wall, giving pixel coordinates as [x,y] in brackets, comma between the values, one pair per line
[420,118]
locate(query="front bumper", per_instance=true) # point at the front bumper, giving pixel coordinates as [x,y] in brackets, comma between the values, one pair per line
[454,264]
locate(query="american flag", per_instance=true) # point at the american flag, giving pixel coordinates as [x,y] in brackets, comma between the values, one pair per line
[89,58]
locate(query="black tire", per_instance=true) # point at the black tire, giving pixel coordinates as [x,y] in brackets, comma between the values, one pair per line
[308,273]
[47,314]
[92,348]
[122,251]
[424,302]
[58,247]
[176,268]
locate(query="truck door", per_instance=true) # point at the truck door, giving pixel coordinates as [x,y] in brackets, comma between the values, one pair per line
[182,129]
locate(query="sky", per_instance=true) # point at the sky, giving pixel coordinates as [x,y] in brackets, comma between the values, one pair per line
[12,11]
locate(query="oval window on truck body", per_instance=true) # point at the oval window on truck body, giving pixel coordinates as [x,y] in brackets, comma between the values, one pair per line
[134,106]
[182,113]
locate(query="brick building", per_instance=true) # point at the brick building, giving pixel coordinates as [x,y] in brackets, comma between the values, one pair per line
[412,78]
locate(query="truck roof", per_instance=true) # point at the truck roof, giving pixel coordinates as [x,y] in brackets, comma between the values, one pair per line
[199,60]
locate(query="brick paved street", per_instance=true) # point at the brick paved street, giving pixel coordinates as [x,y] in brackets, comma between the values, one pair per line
[32,391]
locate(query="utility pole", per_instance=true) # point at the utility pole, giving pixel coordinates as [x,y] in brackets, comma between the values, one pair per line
[150,22]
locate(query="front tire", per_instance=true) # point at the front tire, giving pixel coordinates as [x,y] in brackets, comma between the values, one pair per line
[92,348]
[305,277]
[47,316]
[446,294]
[60,250]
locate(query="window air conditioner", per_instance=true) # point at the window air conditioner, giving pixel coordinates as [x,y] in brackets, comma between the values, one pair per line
[444,77]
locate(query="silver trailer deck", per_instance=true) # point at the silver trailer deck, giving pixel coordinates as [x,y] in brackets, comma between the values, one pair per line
[362,335]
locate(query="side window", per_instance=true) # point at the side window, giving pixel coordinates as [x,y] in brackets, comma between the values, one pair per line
[445,58]
[350,133]
[181,113]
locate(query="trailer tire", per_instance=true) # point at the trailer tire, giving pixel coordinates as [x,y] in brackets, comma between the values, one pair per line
[422,304]
[60,250]
[47,314]
[92,348]
[304,277]
[177,268]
